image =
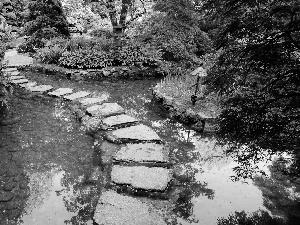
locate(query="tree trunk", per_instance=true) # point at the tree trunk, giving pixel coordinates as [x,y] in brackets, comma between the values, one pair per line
[112,12]
[126,4]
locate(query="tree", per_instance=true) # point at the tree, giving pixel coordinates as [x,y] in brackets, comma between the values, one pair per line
[122,12]
[258,72]
[46,14]
[45,20]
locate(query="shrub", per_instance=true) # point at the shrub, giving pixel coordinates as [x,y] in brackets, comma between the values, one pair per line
[50,54]
[101,33]
[84,59]
[45,21]
[80,56]
[31,45]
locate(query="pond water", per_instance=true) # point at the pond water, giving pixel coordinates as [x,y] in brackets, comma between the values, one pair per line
[58,158]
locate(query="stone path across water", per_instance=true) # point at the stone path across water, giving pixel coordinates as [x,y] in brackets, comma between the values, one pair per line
[143,145]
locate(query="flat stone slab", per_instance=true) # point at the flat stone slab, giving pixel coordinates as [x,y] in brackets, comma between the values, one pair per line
[95,100]
[20,81]
[15,59]
[143,152]
[29,84]
[17,77]
[141,177]
[118,120]
[117,209]
[14,73]
[134,133]
[9,70]
[105,109]
[61,91]
[40,88]
[80,94]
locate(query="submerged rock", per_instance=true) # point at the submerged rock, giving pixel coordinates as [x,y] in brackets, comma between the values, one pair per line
[106,109]
[117,209]
[91,123]
[138,133]
[141,177]
[143,152]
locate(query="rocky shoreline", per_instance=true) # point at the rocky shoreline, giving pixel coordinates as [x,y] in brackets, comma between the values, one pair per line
[108,73]
[199,121]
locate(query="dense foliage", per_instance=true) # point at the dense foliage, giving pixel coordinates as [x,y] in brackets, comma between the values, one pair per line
[174,29]
[99,56]
[45,20]
[258,72]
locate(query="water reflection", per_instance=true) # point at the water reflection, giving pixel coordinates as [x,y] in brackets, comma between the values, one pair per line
[205,190]
[45,206]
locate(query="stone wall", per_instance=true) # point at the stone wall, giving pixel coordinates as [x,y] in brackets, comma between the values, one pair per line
[108,73]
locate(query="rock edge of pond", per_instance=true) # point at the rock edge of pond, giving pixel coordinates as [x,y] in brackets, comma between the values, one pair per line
[198,120]
[107,73]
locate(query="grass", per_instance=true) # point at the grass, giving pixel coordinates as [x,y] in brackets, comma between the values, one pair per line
[182,87]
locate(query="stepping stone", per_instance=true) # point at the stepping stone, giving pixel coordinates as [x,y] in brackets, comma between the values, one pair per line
[142,177]
[143,152]
[104,110]
[15,73]
[134,133]
[9,69]
[80,94]
[117,209]
[16,77]
[95,100]
[118,120]
[29,84]
[61,91]
[21,81]
[40,88]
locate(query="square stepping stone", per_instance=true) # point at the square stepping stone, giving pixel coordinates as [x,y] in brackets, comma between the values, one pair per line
[94,100]
[106,109]
[15,73]
[80,94]
[142,177]
[137,133]
[118,120]
[40,88]
[61,91]
[143,152]
[16,77]
[20,81]
[29,84]
[117,209]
